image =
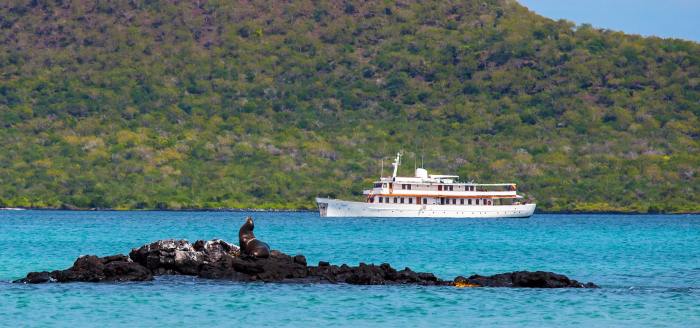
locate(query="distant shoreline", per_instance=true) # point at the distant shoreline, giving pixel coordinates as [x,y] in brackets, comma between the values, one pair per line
[305,210]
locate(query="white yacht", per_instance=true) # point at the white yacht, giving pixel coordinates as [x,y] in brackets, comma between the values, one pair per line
[431,196]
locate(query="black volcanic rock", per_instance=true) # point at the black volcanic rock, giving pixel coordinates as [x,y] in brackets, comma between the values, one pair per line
[217,259]
[181,257]
[528,279]
[36,278]
[370,274]
[91,268]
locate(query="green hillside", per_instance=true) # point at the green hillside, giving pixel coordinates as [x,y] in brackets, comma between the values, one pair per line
[238,104]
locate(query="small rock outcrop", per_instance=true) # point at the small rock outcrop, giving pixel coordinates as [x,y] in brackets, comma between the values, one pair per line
[217,259]
[522,279]
[181,257]
[91,268]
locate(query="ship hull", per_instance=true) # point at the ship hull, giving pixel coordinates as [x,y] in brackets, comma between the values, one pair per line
[341,208]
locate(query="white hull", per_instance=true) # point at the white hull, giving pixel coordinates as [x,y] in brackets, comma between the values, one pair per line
[341,208]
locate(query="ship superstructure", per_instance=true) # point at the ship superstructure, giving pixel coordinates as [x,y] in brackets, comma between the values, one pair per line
[430,195]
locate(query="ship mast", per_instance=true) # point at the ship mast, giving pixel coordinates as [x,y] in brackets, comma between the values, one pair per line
[396,163]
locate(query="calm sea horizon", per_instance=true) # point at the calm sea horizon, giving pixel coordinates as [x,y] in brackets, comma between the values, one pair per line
[648,267]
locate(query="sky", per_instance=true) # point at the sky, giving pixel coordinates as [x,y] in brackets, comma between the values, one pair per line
[664,18]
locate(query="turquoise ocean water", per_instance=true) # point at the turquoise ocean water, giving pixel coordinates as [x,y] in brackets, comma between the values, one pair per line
[648,267]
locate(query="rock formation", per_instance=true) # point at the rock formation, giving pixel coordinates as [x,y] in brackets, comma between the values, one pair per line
[526,279]
[217,259]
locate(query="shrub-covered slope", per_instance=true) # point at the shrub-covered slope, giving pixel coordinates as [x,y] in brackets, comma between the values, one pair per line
[202,104]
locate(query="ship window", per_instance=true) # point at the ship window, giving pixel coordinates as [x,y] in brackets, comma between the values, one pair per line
[395,200]
[469,201]
[461,201]
[439,187]
[410,200]
[454,201]
[477,202]
[381,199]
[425,201]
[409,187]
[401,200]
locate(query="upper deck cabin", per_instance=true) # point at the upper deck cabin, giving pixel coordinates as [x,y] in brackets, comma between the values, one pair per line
[437,189]
[439,185]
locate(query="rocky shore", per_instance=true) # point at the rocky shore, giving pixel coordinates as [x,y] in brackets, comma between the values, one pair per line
[217,259]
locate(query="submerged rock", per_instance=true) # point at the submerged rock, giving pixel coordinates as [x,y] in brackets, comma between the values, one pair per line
[217,259]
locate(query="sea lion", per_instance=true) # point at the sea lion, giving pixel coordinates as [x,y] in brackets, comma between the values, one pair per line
[249,244]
